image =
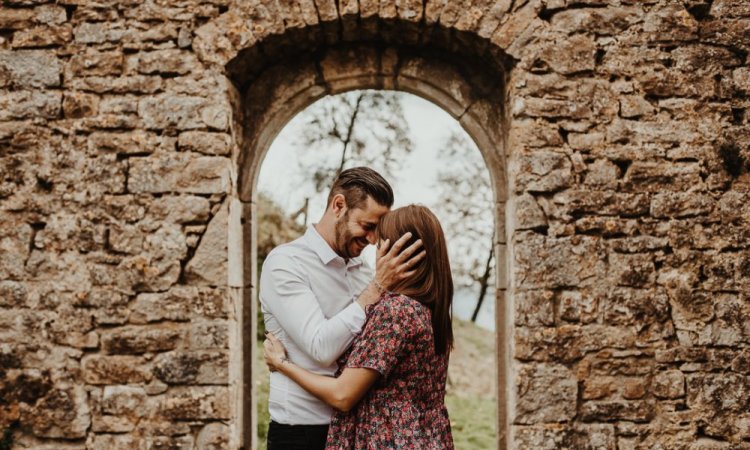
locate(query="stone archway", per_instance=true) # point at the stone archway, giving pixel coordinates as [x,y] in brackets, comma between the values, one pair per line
[471,90]
[128,153]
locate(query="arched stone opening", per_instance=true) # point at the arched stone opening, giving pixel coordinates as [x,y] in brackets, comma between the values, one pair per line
[456,71]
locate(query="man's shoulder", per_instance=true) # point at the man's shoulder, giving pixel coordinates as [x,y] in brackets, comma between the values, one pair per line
[287,252]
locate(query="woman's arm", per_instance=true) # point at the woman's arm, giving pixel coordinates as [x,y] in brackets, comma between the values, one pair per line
[340,393]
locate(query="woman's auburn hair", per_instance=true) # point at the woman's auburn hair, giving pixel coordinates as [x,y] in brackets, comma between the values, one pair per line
[432,282]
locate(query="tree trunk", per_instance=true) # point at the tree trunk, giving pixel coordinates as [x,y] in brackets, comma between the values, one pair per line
[484,281]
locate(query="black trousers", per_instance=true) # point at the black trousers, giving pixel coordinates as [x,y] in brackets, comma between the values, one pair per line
[296,437]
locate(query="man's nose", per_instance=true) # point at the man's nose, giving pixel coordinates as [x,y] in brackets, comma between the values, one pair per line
[371,237]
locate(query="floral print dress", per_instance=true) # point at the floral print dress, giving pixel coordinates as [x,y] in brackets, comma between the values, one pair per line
[405,408]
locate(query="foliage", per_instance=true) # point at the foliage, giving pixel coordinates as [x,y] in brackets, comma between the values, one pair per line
[466,210]
[274,227]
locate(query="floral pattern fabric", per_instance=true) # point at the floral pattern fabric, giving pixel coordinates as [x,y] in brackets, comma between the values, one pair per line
[405,408]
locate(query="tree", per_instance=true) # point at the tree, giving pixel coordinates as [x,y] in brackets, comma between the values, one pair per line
[357,128]
[467,214]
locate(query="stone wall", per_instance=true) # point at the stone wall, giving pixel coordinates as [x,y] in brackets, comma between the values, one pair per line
[616,132]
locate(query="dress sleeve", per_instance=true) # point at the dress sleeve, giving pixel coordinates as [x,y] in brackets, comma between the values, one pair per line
[391,326]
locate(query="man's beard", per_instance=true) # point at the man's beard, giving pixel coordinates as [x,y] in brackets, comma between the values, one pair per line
[344,239]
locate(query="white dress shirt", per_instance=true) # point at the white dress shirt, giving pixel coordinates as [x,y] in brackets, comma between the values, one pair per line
[307,295]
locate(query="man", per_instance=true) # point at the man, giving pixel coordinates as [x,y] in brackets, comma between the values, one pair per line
[313,294]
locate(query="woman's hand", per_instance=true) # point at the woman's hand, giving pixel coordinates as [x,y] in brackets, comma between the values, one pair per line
[274,352]
[393,264]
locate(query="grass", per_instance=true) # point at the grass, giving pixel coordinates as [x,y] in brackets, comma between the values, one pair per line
[470,398]
[472,421]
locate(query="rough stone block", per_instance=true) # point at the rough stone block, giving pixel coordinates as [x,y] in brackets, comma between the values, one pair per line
[126,239]
[204,142]
[568,343]
[30,104]
[61,413]
[641,133]
[600,21]
[602,173]
[681,204]
[196,403]
[529,215]
[669,384]
[576,202]
[140,339]
[113,442]
[577,306]
[181,303]
[183,113]
[208,335]
[209,264]
[550,108]
[534,308]
[570,55]
[99,32]
[136,142]
[635,270]
[670,23]
[634,410]
[12,293]
[213,436]
[192,367]
[543,171]
[542,262]
[146,273]
[29,69]
[633,389]
[43,36]
[179,172]
[16,18]
[546,393]
[170,61]
[532,133]
[124,401]
[720,395]
[77,105]
[727,330]
[15,241]
[92,62]
[136,84]
[598,387]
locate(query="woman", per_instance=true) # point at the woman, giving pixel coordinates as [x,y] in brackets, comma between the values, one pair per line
[389,391]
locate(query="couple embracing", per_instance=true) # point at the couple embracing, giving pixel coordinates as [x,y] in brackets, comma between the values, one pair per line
[359,358]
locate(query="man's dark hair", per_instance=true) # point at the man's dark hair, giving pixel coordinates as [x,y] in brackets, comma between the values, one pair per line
[357,183]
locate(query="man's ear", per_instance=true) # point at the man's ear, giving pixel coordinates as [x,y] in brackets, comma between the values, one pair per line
[338,205]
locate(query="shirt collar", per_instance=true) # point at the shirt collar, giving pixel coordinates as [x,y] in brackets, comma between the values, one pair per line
[323,250]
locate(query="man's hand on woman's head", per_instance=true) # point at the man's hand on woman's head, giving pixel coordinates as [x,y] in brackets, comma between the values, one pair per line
[395,263]
[274,352]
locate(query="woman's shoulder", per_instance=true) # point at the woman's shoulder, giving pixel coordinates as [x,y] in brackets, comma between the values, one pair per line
[399,304]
